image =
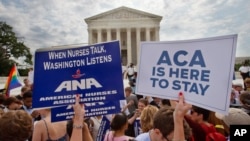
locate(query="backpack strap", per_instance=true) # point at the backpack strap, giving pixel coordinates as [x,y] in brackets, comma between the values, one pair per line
[47,129]
[107,137]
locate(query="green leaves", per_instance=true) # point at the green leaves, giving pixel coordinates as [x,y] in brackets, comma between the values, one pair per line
[10,46]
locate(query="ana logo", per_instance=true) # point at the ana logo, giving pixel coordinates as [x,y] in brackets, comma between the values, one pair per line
[82,84]
[78,74]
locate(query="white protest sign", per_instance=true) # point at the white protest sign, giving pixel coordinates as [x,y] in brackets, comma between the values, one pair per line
[202,69]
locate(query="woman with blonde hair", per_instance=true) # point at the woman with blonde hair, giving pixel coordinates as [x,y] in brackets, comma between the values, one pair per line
[147,115]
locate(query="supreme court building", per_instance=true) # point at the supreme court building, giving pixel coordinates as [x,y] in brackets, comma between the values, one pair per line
[129,26]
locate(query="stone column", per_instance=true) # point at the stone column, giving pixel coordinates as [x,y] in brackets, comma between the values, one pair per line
[90,36]
[108,34]
[138,43]
[99,35]
[157,36]
[147,34]
[118,37]
[129,53]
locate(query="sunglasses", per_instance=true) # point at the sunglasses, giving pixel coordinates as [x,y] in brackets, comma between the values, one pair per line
[192,111]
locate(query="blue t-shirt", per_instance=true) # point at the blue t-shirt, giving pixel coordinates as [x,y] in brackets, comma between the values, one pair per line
[143,137]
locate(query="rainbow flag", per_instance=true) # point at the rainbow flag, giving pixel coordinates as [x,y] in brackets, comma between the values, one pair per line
[12,81]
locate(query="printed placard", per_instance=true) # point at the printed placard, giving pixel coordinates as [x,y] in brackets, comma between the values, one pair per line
[202,69]
[91,109]
[94,72]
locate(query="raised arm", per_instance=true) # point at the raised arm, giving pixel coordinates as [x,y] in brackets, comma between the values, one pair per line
[181,109]
[78,124]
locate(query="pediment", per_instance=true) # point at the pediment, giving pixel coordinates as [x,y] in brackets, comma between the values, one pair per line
[122,13]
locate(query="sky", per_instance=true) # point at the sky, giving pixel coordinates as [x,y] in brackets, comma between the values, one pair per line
[46,23]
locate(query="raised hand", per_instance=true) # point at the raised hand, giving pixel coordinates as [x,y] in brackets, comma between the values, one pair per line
[181,107]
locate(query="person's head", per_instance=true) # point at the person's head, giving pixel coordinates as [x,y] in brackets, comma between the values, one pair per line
[27,99]
[247,82]
[235,116]
[131,65]
[238,87]
[233,95]
[26,82]
[245,63]
[164,103]
[128,91]
[119,122]
[2,98]
[12,103]
[24,89]
[164,132]
[146,118]
[199,114]
[245,98]
[15,126]
[142,103]
[157,100]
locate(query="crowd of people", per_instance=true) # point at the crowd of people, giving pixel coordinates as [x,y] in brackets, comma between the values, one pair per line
[158,119]
[20,122]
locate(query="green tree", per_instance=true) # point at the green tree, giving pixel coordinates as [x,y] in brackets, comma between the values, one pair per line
[11,49]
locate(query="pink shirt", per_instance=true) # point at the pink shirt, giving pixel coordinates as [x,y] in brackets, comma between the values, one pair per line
[110,137]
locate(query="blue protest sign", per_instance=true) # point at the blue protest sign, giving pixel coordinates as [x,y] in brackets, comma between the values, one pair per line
[91,109]
[193,67]
[94,72]
[104,128]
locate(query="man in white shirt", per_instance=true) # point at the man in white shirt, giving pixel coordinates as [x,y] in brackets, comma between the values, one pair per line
[244,71]
[31,75]
[131,71]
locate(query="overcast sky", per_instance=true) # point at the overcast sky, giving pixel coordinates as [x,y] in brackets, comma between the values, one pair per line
[46,23]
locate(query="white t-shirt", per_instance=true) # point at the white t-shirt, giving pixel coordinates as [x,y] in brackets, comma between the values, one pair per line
[244,69]
[123,69]
[31,76]
[123,103]
[131,71]
[110,137]
[143,137]
[97,123]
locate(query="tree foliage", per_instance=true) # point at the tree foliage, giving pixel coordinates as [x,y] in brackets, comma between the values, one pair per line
[11,49]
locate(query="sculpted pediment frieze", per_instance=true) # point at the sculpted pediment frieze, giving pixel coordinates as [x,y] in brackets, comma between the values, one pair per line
[124,14]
